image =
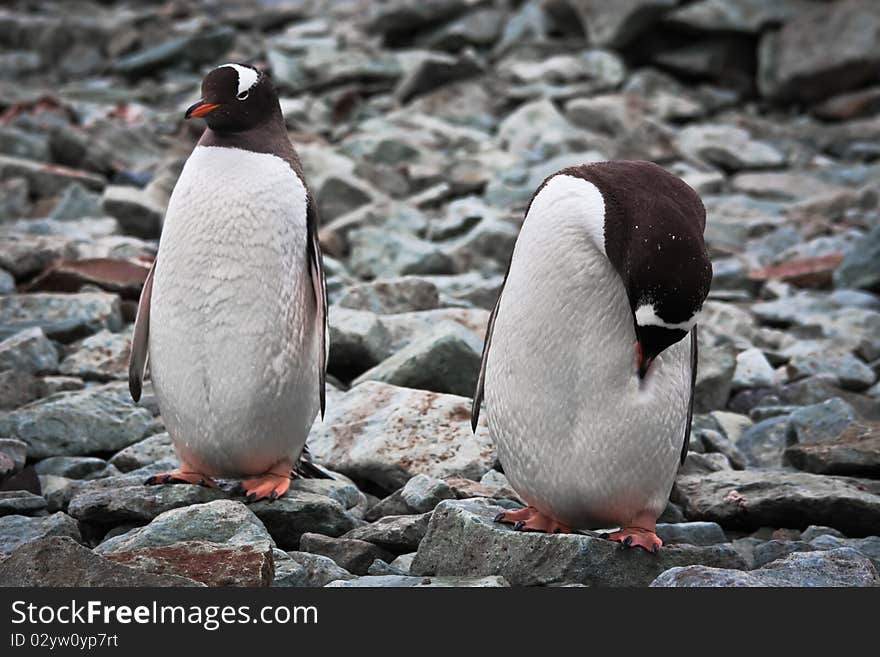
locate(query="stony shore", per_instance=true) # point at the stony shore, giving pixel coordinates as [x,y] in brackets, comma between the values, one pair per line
[424,128]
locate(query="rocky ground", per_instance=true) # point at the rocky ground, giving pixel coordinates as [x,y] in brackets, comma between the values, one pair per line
[424,127]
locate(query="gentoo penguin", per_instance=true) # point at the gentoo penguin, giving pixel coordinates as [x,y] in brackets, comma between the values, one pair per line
[587,372]
[233,313]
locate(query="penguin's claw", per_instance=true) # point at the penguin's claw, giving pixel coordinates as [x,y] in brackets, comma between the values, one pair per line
[636,537]
[270,485]
[181,477]
[530,519]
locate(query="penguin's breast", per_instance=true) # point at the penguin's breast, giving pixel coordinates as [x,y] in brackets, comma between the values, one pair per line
[232,306]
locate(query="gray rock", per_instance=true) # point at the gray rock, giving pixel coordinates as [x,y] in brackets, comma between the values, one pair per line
[212,564]
[7,282]
[13,455]
[727,146]
[752,370]
[436,70]
[21,502]
[749,499]
[618,25]
[16,530]
[72,467]
[696,463]
[76,202]
[462,539]
[843,567]
[220,521]
[201,47]
[14,201]
[692,533]
[776,549]
[745,16]
[28,351]
[17,389]
[815,531]
[393,295]
[819,423]
[353,555]
[868,546]
[377,253]
[340,489]
[859,268]
[315,570]
[37,564]
[100,357]
[420,495]
[445,361]
[298,513]
[138,504]
[402,581]
[339,195]
[359,340]
[714,379]
[61,316]
[46,180]
[795,64]
[386,435]
[764,442]
[77,423]
[139,212]
[852,373]
[144,452]
[712,442]
[403,562]
[398,534]
[855,452]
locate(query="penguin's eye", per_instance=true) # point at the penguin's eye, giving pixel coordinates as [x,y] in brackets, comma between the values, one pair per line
[243,95]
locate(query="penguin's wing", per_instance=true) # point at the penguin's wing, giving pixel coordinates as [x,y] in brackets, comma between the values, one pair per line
[690,415]
[319,284]
[481,379]
[137,362]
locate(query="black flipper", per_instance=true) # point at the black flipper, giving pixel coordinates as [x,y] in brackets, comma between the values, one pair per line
[319,284]
[305,469]
[137,362]
[690,415]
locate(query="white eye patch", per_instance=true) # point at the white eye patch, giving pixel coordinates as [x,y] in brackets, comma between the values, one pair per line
[647,316]
[247,77]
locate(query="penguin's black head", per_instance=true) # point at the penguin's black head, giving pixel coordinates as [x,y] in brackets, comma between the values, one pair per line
[649,223]
[236,97]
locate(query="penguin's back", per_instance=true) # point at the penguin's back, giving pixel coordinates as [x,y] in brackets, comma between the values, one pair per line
[580,436]
[232,338]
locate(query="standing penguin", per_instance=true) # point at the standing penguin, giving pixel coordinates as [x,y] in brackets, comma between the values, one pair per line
[233,313]
[588,377]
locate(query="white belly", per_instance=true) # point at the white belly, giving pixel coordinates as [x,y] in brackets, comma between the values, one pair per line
[233,352]
[579,435]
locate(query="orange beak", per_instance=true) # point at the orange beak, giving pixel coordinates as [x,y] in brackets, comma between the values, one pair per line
[200,109]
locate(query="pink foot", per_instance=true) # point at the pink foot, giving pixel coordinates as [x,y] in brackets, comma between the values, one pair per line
[271,485]
[636,536]
[532,520]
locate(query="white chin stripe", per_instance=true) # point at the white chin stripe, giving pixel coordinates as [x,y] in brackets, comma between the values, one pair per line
[647,316]
[247,77]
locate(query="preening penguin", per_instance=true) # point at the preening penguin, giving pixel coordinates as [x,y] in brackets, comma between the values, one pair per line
[590,357]
[233,314]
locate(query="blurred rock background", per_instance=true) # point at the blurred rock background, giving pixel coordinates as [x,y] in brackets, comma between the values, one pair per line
[424,128]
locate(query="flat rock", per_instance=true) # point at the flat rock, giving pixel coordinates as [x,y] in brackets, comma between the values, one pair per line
[750,499]
[852,373]
[764,442]
[692,533]
[77,423]
[618,25]
[391,295]
[21,502]
[139,212]
[28,351]
[47,179]
[797,64]
[17,530]
[446,360]
[353,555]
[752,370]
[859,268]
[727,146]
[315,570]
[298,513]
[386,435]
[61,561]
[463,540]
[854,452]
[398,534]
[212,564]
[818,423]
[137,504]
[62,317]
[221,521]
[841,567]
[99,357]
[157,447]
